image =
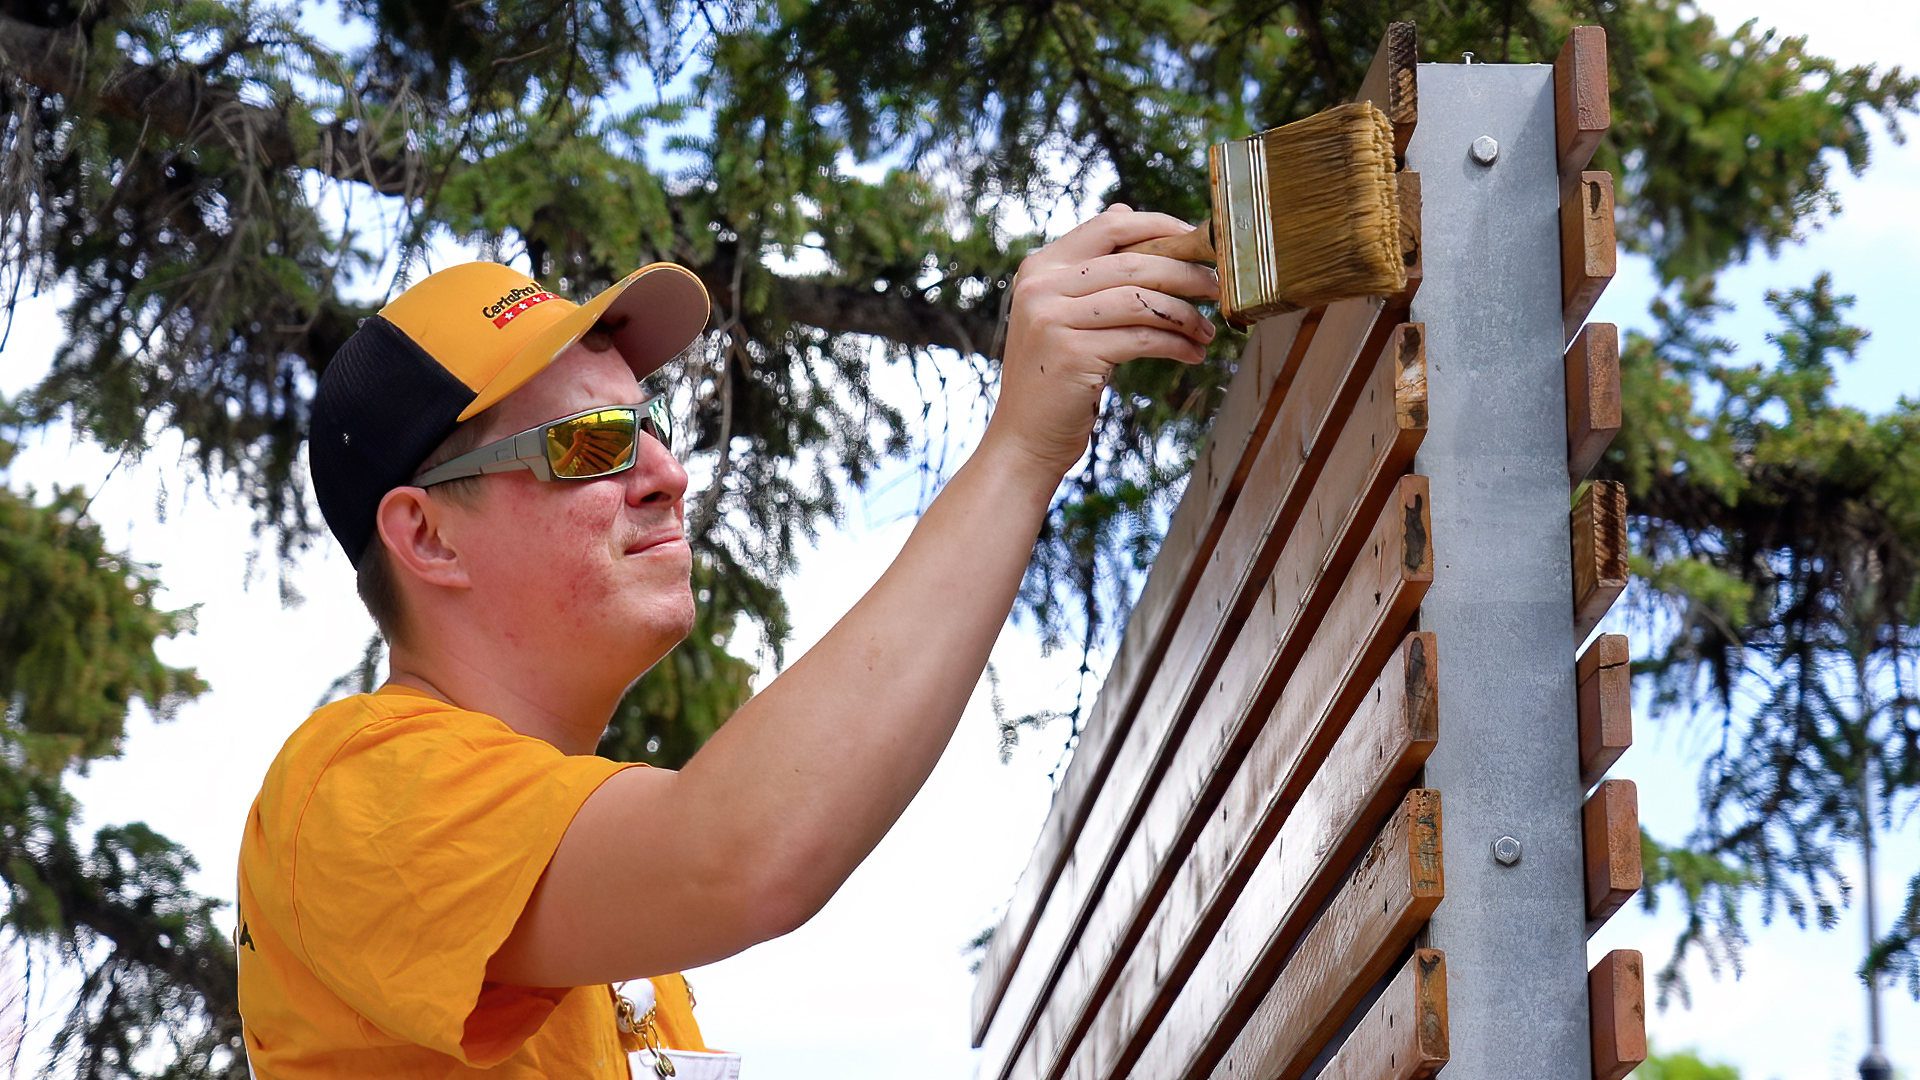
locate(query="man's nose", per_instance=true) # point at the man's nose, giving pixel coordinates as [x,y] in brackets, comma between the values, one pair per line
[657,476]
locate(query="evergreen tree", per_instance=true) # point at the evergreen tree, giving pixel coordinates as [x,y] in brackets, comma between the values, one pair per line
[848,179]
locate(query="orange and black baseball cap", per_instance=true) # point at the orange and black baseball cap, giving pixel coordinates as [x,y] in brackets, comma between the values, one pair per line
[454,344]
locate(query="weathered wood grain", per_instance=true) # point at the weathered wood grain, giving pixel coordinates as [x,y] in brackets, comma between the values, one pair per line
[1581,111]
[1404,1034]
[1610,830]
[1351,945]
[1604,681]
[1599,536]
[1224,637]
[1392,83]
[1278,842]
[1617,1013]
[1593,397]
[1587,257]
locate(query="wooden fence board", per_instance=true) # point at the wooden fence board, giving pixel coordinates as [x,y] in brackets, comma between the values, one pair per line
[1593,397]
[1404,1034]
[1604,677]
[1581,111]
[1375,600]
[1355,941]
[1203,648]
[1278,842]
[1617,1013]
[1610,830]
[1587,255]
[1598,525]
[1271,359]
[1376,445]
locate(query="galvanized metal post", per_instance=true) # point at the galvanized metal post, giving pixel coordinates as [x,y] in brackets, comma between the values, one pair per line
[1513,922]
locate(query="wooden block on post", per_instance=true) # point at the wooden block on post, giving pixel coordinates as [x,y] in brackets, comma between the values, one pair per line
[1409,209]
[1581,111]
[1404,1034]
[1617,1010]
[1392,83]
[1593,397]
[1605,694]
[1586,245]
[1599,553]
[1610,829]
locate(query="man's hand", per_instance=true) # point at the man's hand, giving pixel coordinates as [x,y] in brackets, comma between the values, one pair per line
[1079,308]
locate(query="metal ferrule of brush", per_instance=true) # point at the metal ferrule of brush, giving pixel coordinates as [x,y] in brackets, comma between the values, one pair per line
[1243,234]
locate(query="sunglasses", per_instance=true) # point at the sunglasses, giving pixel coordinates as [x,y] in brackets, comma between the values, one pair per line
[598,442]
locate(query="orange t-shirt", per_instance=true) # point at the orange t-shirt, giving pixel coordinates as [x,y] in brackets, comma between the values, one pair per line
[390,852]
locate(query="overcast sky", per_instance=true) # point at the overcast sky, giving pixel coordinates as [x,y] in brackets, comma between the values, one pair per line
[876,985]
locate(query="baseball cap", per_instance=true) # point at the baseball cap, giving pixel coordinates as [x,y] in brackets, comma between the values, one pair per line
[455,343]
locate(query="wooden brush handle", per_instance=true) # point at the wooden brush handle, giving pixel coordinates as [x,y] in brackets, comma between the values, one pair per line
[1195,246]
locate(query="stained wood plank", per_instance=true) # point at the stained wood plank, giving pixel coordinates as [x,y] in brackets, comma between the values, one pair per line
[1581,111]
[1354,941]
[1332,658]
[1604,677]
[1587,255]
[1599,534]
[1404,1035]
[1392,83]
[1617,1013]
[1274,848]
[1203,649]
[1272,358]
[1408,205]
[1593,397]
[1610,830]
[1375,599]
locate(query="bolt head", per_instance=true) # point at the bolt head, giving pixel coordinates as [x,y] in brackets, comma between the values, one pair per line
[1485,150]
[1506,851]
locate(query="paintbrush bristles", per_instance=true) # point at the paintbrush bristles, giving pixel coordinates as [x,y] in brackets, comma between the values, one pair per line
[1309,214]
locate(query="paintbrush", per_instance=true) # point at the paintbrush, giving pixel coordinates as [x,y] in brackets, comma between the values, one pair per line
[1303,215]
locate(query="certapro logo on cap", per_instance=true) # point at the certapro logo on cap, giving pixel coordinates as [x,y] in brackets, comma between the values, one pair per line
[510,306]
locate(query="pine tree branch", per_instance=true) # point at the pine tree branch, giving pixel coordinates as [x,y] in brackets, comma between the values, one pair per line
[180,103]
[909,321]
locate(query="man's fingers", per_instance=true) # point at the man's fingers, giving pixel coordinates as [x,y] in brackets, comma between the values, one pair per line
[1120,344]
[1135,306]
[1151,271]
[1106,232]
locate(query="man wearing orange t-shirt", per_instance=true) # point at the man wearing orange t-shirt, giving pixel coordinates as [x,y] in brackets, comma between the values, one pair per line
[440,878]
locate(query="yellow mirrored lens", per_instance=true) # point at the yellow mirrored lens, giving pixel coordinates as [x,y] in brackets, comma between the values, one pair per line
[592,445]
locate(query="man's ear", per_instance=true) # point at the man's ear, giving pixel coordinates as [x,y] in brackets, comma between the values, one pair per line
[412,522]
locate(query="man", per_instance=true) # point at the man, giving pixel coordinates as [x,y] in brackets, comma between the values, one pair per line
[440,878]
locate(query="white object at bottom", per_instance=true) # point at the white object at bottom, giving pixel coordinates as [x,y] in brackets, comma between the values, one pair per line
[688,1065]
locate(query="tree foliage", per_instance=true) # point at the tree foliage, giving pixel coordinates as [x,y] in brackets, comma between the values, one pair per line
[1780,532]
[224,189]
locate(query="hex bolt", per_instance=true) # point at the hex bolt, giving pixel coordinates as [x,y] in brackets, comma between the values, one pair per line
[1485,150]
[1506,851]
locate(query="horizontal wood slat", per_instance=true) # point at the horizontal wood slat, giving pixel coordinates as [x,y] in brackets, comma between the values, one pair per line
[1581,111]
[1354,942]
[1404,1034]
[1587,256]
[1604,681]
[1610,830]
[1277,845]
[1617,1013]
[1593,397]
[1228,636]
[1599,534]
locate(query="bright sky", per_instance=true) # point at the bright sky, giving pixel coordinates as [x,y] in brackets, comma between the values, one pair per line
[876,985]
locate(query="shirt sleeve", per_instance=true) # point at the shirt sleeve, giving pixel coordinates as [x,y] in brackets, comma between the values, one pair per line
[414,857]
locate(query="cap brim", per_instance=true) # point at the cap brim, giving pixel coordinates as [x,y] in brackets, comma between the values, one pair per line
[656,312]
